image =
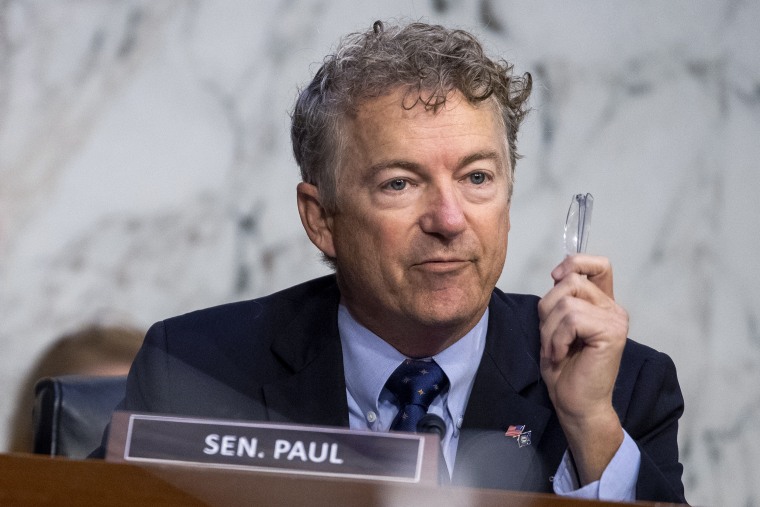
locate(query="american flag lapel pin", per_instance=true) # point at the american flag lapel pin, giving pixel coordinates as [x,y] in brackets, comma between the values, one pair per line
[517,431]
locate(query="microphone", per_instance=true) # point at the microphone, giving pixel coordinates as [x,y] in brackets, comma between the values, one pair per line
[431,423]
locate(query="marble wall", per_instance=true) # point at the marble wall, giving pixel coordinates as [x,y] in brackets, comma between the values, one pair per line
[145,170]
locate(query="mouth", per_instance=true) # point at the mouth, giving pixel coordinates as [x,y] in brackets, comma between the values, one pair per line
[442,265]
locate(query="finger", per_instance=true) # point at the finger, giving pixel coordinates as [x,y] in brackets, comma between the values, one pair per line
[558,329]
[574,323]
[575,286]
[597,269]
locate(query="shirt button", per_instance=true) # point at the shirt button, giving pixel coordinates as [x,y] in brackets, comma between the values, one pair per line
[371,416]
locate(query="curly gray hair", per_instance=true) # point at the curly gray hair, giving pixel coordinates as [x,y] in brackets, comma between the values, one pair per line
[429,60]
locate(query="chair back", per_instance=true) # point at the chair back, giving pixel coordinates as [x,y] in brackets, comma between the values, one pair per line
[72,411]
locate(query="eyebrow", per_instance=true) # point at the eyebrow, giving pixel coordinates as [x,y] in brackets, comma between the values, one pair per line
[481,155]
[401,164]
[412,166]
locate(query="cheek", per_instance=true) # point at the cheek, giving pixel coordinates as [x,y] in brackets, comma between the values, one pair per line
[494,235]
[382,245]
[361,242]
[493,224]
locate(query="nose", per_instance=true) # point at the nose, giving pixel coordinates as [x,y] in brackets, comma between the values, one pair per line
[443,214]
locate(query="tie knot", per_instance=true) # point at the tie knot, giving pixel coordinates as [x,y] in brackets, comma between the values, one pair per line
[417,382]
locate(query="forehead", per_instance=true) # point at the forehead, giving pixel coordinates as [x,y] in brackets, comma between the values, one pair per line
[399,122]
[406,103]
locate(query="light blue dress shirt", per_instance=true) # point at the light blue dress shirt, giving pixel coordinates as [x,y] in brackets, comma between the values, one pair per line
[372,407]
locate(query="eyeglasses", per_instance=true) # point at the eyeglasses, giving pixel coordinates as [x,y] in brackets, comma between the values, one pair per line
[578,223]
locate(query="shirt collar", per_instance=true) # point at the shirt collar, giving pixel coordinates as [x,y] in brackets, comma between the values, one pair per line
[361,347]
[460,362]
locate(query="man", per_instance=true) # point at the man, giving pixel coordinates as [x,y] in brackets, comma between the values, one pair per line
[406,140]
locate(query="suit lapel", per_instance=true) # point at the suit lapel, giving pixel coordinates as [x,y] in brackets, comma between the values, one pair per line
[508,390]
[314,391]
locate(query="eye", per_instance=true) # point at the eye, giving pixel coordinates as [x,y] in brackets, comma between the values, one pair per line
[477,178]
[397,184]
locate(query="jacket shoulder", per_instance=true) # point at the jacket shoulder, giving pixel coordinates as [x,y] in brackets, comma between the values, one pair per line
[271,311]
[646,375]
[214,361]
[523,304]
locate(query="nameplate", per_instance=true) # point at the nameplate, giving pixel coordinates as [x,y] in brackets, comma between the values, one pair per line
[268,447]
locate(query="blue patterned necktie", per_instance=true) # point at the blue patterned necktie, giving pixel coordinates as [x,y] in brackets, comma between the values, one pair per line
[415,385]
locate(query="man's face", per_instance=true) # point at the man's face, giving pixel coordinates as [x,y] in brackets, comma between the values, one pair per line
[420,235]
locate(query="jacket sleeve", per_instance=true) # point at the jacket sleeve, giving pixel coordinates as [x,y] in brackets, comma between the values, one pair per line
[651,419]
[145,377]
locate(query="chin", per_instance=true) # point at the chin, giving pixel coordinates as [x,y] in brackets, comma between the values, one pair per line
[442,314]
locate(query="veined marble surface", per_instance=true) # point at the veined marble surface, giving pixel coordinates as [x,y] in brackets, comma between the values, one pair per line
[145,171]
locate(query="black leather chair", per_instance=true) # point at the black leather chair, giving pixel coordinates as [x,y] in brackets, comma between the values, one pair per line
[72,411]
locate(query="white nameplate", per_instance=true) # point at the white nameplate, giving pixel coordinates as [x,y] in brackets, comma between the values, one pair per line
[268,447]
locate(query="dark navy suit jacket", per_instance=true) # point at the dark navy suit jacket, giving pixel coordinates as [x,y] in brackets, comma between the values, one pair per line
[278,358]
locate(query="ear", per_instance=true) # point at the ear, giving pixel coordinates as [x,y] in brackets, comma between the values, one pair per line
[315,218]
